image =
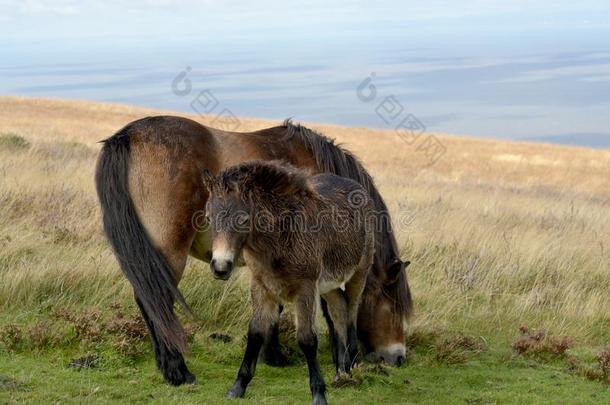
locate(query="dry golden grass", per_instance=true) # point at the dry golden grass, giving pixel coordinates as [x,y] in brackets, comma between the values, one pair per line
[500,233]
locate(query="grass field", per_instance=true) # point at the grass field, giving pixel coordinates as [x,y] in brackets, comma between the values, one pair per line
[502,236]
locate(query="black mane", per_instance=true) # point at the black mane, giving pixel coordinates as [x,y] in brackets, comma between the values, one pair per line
[333,158]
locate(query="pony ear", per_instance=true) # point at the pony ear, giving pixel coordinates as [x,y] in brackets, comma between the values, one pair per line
[395,269]
[208,180]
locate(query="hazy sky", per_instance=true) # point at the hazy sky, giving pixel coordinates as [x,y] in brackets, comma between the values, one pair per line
[518,69]
[53,19]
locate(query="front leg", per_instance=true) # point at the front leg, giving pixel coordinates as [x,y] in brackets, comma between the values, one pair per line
[265,313]
[353,294]
[332,334]
[308,340]
[271,354]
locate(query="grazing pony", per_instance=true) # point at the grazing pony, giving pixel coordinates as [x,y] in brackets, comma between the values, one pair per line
[148,180]
[302,237]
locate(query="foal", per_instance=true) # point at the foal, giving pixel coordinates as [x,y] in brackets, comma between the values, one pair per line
[301,236]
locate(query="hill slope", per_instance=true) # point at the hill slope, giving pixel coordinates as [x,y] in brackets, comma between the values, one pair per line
[500,234]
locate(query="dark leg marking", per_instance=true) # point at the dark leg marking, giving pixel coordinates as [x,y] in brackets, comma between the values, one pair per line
[248,365]
[272,354]
[316,381]
[352,345]
[332,334]
[169,361]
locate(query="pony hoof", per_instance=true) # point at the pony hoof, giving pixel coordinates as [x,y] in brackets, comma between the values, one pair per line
[341,375]
[319,400]
[181,378]
[235,392]
[190,379]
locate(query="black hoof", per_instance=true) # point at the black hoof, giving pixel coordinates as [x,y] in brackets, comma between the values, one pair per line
[236,391]
[179,377]
[319,399]
[190,379]
[175,371]
[274,358]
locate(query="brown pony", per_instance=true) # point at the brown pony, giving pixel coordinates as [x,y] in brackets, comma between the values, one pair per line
[148,181]
[302,237]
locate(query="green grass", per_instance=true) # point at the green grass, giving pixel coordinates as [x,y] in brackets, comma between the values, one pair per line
[494,376]
[38,352]
[79,275]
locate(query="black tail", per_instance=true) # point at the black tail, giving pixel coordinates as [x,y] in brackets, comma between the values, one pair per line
[144,266]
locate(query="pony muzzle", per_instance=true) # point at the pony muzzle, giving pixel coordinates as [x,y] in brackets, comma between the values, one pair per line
[394,355]
[222,268]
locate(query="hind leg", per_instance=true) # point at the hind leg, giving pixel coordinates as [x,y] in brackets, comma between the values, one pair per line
[337,309]
[169,361]
[166,192]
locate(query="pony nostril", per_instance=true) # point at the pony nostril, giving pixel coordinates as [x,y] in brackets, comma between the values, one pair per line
[229,264]
[400,360]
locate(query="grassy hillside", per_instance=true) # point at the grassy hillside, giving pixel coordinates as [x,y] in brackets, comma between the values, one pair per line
[501,236]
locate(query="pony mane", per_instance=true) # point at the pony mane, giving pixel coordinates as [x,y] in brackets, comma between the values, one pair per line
[333,158]
[274,177]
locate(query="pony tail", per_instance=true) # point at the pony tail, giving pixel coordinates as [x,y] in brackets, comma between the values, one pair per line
[143,264]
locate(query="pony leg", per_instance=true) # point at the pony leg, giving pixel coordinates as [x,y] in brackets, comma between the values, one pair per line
[332,335]
[337,308]
[169,361]
[271,354]
[353,293]
[308,341]
[266,313]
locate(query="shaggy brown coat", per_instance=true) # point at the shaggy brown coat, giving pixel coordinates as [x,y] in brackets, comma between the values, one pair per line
[301,237]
